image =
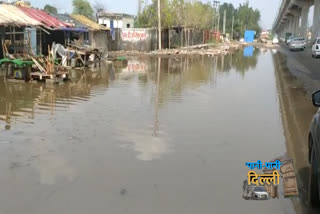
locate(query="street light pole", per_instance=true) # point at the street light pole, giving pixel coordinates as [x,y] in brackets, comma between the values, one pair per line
[159,24]
[224,21]
[232,27]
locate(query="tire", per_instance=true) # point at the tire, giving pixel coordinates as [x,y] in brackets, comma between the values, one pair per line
[314,185]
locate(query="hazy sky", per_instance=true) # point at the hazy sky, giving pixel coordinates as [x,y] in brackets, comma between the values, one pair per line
[268,8]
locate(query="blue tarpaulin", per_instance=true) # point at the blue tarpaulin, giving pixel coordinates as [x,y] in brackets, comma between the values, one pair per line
[74,29]
[113,35]
[249,35]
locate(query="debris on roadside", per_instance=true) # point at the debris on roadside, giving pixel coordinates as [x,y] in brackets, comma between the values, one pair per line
[204,49]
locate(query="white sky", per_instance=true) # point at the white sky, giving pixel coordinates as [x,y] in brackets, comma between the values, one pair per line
[268,8]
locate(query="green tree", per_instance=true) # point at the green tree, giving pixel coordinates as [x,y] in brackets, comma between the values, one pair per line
[198,15]
[247,19]
[50,9]
[230,11]
[177,13]
[82,7]
[149,16]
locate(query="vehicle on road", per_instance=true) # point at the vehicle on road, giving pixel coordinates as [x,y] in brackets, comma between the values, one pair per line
[260,193]
[275,40]
[297,44]
[316,48]
[314,152]
[288,38]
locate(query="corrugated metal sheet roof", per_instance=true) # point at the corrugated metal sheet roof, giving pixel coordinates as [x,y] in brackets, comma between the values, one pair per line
[11,15]
[44,18]
[89,23]
[68,19]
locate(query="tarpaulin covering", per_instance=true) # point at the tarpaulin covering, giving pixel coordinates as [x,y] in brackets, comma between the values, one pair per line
[93,26]
[11,15]
[75,29]
[44,18]
[18,62]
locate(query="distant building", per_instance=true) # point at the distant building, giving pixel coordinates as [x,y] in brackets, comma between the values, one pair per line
[116,20]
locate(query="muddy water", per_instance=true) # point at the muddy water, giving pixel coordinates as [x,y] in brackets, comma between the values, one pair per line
[135,140]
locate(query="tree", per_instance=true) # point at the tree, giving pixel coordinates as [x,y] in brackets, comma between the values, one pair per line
[82,7]
[230,11]
[177,13]
[50,9]
[196,14]
[247,19]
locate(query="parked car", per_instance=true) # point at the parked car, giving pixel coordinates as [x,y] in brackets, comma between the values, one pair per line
[275,40]
[316,48]
[260,193]
[314,152]
[297,44]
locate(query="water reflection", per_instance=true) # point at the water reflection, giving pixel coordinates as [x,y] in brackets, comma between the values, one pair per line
[174,139]
[22,102]
[248,51]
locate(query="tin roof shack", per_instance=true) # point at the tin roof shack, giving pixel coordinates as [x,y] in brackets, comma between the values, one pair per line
[14,38]
[75,32]
[116,20]
[54,29]
[97,37]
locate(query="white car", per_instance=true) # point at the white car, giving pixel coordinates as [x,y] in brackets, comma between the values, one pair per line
[275,40]
[316,48]
[260,193]
[297,44]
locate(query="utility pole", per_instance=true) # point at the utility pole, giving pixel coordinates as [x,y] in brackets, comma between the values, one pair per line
[213,14]
[139,7]
[232,27]
[224,21]
[159,24]
[218,28]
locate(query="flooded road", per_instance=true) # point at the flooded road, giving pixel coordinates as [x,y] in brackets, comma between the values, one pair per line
[134,140]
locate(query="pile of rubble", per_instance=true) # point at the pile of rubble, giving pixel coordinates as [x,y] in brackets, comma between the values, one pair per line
[205,49]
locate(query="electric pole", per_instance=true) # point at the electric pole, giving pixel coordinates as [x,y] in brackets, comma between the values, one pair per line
[224,21]
[159,24]
[232,27]
[218,28]
[139,7]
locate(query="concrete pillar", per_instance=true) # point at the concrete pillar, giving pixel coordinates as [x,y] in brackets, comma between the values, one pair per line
[291,25]
[316,19]
[296,25]
[304,20]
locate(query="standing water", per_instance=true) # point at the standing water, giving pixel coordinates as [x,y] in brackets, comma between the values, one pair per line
[136,140]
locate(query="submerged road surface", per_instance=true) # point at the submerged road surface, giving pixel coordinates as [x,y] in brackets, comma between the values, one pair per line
[135,140]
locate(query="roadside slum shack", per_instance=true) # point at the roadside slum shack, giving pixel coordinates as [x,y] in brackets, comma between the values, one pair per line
[15,42]
[92,46]
[77,51]
[55,29]
[22,44]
